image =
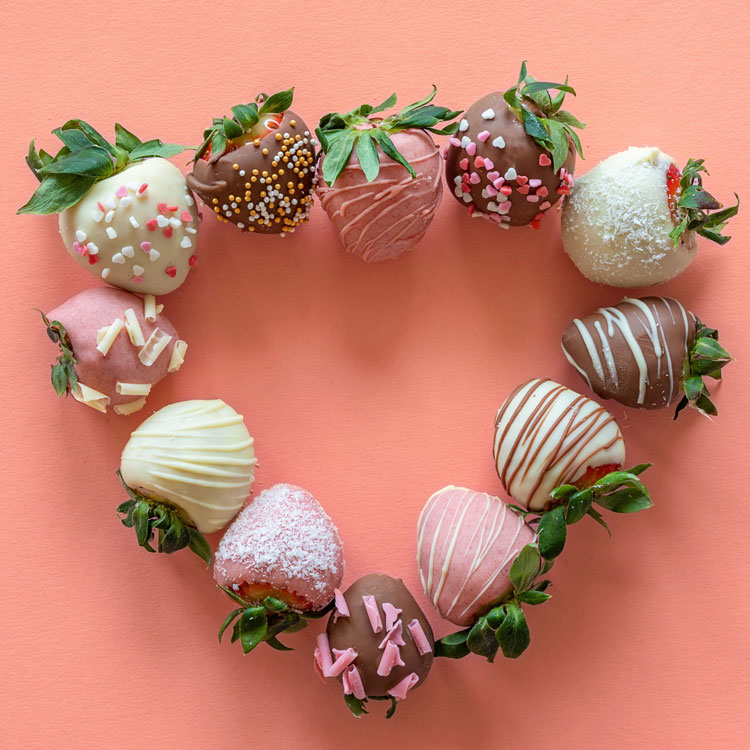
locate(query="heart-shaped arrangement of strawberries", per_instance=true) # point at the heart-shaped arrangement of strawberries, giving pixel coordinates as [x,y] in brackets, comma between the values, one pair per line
[129,216]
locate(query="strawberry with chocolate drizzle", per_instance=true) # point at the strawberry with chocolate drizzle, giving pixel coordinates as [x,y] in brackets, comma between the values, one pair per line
[126,213]
[514,153]
[256,169]
[379,178]
[558,454]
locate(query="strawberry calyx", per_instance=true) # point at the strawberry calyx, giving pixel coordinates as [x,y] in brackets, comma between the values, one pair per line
[85,158]
[542,117]
[357,705]
[149,516]
[64,376]
[503,626]
[339,134]
[693,208]
[705,359]
[257,622]
[250,122]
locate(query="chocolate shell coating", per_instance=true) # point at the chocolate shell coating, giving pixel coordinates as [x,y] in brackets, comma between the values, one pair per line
[356,632]
[632,352]
[265,185]
[473,175]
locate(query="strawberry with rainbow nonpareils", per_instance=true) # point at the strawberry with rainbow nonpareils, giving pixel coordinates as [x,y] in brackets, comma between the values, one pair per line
[647,353]
[514,154]
[379,178]
[126,213]
[256,169]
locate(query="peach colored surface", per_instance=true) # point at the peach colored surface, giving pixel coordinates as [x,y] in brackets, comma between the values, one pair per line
[372,387]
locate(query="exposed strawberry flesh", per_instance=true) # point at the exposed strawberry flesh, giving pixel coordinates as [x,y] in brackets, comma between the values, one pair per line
[266,125]
[593,474]
[673,191]
[257,592]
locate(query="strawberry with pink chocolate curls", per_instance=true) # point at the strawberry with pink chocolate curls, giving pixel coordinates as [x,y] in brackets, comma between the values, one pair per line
[378,643]
[379,180]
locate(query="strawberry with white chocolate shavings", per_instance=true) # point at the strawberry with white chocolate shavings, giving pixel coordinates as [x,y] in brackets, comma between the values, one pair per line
[126,213]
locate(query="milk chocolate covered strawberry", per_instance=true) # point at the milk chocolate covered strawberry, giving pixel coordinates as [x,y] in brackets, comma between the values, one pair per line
[256,169]
[646,353]
[113,348]
[514,153]
[126,213]
[379,178]
[558,454]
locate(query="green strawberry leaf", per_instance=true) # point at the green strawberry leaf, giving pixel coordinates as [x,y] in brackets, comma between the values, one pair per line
[56,193]
[389,149]
[155,148]
[64,376]
[368,156]
[453,646]
[125,139]
[355,705]
[277,103]
[533,597]
[552,532]
[338,155]
[525,568]
[513,635]
[481,640]
[253,626]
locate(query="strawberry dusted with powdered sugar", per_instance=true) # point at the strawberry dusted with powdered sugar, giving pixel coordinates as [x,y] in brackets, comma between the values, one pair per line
[126,213]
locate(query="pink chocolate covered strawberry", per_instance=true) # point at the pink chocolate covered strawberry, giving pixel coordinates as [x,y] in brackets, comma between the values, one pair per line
[379,178]
[114,347]
[126,213]
[514,153]
[479,562]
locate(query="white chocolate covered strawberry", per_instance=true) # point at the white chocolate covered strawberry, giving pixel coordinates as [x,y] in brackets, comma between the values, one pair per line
[114,347]
[188,469]
[126,214]
[379,180]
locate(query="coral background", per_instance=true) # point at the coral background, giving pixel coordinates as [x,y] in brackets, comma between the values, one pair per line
[372,387]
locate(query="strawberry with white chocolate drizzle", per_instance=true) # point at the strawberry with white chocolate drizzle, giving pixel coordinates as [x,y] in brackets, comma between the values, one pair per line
[126,213]
[514,153]
[379,178]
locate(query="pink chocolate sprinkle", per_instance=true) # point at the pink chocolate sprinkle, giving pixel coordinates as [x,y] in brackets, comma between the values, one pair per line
[455,142]
[492,176]
[474,178]
[471,149]
[464,163]
[143,188]
[489,164]
[544,160]
[343,660]
[521,179]
[151,224]
[391,614]
[122,191]
[524,189]
[172,209]
[532,198]
[373,613]
[400,689]
[542,191]
[483,136]
[505,206]
[145,246]
[478,162]
[186,216]
[390,659]
[491,191]
[506,189]
[420,639]
[535,183]
[544,206]
[161,207]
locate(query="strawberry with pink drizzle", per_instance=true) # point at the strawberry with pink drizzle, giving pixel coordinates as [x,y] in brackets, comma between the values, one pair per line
[378,643]
[479,562]
[113,346]
[379,179]
[282,561]
[126,213]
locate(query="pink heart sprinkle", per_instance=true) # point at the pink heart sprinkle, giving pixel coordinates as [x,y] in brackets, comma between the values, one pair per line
[186,216]
[145,246]
[192,260]
[484,135]
[505,206]
[544,206]
[491,191]
[122,191]
[489,164]
[465,177]
[475,179]
[521,180]
[455,142]
[464,164]
[471,149]
[479,162]
[542,191]
[492,176]
[137,278]
[162,207]
[544,160]
[498,183]
[532,198]
[524,189]
[506,189]
[77,247]
[535,183]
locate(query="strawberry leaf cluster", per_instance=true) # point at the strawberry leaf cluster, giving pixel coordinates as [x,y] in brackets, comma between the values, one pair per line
[149,517]
[542,117]
[64,376]
[245,118]
[256,623]
[340,134]
[86,157]
[705,359]
[699,211]
[357,705]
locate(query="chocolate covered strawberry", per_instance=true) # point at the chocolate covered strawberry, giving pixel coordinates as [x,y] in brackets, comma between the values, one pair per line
[126,213]
[187,470]
[646,353]
[514,153]
[558,454]
[479,562]
[256,169]
[379,178]
[114,347]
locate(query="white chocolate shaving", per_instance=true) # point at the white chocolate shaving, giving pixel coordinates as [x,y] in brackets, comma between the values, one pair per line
[101,333]
[91,397]
[155,345]
[132,326]
[109,337]
[159,308]
[178,355]
[133,389]
[149,308]
[130,406]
